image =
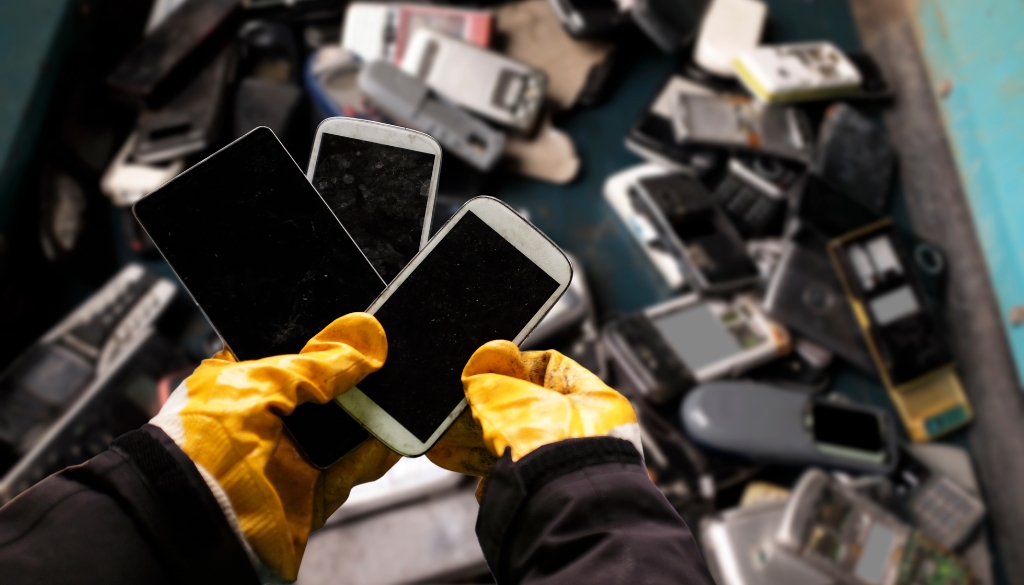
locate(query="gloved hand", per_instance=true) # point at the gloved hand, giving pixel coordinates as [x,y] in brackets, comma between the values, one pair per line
[523,400]
[226,417]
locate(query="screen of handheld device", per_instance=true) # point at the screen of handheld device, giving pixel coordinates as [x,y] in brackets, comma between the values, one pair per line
[257,248]
[380,194]
[473,287]
[697,336]
[877,554]
[847,428]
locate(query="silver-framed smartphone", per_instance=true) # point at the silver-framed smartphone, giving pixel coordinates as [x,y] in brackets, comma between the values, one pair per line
[381,182]
[487,274]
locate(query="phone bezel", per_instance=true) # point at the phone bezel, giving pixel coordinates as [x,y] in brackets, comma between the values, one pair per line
[387,134]
[527,239]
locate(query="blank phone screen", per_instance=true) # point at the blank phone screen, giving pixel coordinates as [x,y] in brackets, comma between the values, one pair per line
[258,249]
[380,194]
[852,429]
[473,287]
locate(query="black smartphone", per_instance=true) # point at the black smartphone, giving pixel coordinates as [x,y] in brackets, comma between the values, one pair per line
[266,261]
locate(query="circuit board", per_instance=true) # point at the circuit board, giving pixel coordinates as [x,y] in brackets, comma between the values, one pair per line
[926,563]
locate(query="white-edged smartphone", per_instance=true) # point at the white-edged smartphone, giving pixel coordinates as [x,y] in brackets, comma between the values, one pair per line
[487,274]
[380,181]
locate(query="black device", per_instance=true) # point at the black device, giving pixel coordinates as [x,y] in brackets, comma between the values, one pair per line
[873,85]
[652,135]
[589,18]
[190,121]
[943,509]
[874,270]
[169,56]
[670,24]
[266,260]
[68,366]
[715,256]
[855,155]
[755,191]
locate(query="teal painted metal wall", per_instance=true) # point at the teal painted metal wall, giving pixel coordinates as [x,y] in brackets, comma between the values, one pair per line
[974,51]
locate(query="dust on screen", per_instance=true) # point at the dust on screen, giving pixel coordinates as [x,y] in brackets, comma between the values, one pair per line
[380,193]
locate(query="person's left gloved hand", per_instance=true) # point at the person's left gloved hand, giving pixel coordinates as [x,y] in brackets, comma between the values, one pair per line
[227,418]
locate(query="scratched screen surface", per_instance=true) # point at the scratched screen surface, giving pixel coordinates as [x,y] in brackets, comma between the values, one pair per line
[472,288]
[258,249]
[379,193]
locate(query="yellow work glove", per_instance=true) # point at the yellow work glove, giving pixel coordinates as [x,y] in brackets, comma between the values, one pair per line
[523,400]
[227,418]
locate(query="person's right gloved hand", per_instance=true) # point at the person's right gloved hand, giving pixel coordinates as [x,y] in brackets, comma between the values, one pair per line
[524,400]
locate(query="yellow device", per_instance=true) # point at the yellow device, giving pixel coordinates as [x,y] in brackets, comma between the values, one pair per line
[902,335]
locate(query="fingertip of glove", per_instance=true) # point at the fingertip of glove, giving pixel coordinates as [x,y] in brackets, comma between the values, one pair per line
[361,331]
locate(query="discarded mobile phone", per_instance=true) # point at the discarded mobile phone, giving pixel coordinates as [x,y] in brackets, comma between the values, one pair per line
[589,18]
[375,30]
[170,55]
[126,180]
[410,101]
[769,424]
[189,122]
[743,125]
[653,138]
[266,261]
[797,71]
[714,255]
[944,510]
[640,221]
[855,155]
[381,182]
[669,24]
[498,88]
[755,193]
[848,537]
[729,28]
[442,307]
[667,349]
[903,337]
[739,547]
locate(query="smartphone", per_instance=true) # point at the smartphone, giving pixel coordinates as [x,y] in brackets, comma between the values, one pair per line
[172,53]
[797,71]
[941,507]
[776,425]
[755,193]
[492,85]
[856,542]
[667,349]
[381,182]
[487,274]
[739,547]
[713,252]
[744,125]
[266,261]
[903,337]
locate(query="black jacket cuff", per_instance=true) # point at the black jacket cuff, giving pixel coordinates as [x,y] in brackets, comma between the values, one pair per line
[510,484]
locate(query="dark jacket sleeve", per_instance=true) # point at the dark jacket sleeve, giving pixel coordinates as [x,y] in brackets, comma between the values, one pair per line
[137,513]
[584,511]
